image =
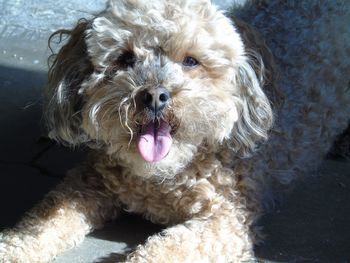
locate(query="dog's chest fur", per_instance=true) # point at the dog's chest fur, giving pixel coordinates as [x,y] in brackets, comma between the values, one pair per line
[199,190]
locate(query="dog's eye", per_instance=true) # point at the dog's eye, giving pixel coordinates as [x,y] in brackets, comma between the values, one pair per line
[190,62]
[126,59]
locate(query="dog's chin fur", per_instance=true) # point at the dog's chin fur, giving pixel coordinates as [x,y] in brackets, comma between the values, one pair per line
[92,96]
[174,163]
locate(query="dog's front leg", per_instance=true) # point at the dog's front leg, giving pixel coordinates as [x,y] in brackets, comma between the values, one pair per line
[223,237]
[59,222]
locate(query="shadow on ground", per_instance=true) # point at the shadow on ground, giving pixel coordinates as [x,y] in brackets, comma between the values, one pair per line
[312,225]
[30,163]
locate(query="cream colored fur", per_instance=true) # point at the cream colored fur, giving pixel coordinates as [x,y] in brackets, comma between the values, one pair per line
[210,187]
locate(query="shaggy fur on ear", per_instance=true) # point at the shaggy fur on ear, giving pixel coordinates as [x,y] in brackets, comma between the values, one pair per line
[258,81]
[67,71]
[255,112]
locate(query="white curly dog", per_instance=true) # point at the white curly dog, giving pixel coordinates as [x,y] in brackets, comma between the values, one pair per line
[184,113]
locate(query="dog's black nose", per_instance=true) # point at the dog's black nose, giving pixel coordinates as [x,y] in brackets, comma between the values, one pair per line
[155,99]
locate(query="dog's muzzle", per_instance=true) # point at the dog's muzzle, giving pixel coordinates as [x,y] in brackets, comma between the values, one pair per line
[155,140]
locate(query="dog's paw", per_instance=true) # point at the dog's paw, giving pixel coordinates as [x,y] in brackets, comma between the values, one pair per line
[153,254]
[140,255]
[11,248]
[4,250]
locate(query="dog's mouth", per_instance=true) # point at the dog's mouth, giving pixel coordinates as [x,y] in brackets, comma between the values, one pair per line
[155,140]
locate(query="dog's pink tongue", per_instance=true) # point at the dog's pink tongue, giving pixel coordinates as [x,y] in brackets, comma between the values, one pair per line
[155,141]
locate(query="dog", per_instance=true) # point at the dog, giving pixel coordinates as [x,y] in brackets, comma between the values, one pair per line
[190,119]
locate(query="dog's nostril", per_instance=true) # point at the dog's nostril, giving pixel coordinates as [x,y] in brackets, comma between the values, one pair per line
[164,97]
[147,98]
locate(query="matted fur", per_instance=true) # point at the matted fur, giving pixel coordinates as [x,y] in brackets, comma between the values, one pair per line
[210,187]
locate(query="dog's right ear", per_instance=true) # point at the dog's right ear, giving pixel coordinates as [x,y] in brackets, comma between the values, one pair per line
[68,69]
[259,96]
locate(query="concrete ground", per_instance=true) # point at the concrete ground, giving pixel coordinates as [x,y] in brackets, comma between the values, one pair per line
[311,225]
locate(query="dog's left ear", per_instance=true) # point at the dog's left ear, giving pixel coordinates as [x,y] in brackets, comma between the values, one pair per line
[69,68]
[255,79]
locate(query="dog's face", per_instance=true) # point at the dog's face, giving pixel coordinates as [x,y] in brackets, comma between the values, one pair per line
[156,82]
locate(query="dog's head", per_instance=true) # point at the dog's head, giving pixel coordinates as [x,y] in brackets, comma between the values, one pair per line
[156,82]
